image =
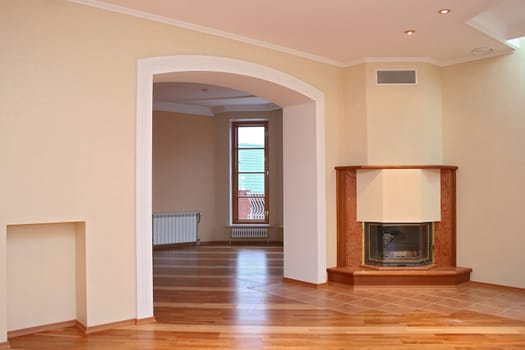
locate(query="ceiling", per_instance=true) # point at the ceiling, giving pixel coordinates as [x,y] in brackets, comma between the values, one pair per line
[337,32]
[346,32]
[205,99]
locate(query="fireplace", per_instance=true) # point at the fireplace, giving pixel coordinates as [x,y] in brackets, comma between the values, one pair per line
[434,260]
[398,244]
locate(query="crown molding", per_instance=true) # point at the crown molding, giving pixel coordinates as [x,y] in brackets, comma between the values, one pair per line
[474,23]
[473,58]
[206,30]
[210,112]
[268,107]
[391,60]
[182,108]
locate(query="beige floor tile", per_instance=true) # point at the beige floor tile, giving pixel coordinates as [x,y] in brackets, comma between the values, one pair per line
[515,314]
[386,298]
[440,309]
[367,303]
[414,303]
[457,303]
[351,308]
[396,309]
[486,309]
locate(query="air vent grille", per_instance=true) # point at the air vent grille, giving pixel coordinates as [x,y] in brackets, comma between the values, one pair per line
[388,77]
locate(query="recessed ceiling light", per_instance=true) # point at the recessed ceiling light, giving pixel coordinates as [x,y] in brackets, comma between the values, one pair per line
[444,11]
[410,31]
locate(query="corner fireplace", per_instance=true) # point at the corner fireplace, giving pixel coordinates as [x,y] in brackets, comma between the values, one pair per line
[398,244]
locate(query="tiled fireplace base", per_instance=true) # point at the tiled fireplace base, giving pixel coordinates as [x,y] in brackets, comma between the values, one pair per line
[363,276]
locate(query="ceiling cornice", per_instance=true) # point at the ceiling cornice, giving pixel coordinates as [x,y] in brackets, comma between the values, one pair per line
[246,108]
[476,58]
[182,108]
[477,25]
[206,30]
[391,60]
[211,111]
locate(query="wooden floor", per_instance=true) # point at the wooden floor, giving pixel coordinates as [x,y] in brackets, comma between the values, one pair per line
[233,297]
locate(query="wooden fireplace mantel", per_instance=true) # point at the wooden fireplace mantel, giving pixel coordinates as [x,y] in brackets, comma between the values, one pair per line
[350,231]
[375,167]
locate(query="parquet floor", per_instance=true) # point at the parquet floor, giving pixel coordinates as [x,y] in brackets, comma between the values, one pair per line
[233,297]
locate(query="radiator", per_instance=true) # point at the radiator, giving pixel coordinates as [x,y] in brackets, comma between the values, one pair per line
[175,228]
[249,232]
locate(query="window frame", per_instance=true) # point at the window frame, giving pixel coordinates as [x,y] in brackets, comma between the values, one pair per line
[235,125]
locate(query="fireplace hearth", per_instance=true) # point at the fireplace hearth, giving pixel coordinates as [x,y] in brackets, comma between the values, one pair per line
[398,244]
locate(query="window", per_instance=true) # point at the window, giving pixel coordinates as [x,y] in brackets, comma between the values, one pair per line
[250,172]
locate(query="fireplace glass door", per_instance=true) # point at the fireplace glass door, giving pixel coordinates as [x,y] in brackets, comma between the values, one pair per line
[398,244]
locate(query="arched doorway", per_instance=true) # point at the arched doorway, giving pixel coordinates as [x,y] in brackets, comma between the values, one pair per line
[303,159]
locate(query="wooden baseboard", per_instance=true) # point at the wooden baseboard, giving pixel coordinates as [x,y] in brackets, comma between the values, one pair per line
[498,286]
[175,245]
[107,326]
[4,345]
[43,328]
[146,320]
[77,324]
[238,241]
[244,241]
[303,283]
[81,327]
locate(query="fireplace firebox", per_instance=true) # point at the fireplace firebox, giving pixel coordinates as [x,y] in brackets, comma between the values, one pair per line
[398,244]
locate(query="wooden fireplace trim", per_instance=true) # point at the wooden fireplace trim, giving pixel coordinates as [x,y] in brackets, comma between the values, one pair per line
[349,230]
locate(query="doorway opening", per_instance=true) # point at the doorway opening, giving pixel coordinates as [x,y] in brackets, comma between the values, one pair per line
[303,159]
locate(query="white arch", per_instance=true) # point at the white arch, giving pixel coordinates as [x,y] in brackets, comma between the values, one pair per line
[308,241]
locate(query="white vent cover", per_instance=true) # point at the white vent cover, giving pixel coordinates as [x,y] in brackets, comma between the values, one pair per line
[397,76]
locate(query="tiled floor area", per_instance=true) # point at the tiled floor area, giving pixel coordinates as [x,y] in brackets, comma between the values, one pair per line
[443,300]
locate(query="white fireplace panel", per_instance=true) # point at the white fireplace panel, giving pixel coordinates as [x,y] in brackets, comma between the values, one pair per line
[398,195]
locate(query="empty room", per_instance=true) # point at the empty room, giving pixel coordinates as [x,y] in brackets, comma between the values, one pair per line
[262,174]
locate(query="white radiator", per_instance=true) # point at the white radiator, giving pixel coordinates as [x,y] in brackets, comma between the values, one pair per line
[249,232]
[175,228]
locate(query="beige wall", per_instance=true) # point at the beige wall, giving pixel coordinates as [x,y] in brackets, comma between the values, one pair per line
[41,275]
[354,134]
[398,195]
[484,129]
[404,121]
[184,167]
[392,124]
[67,121]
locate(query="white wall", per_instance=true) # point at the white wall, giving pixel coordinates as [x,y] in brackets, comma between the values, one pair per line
[484,129]
[300,204]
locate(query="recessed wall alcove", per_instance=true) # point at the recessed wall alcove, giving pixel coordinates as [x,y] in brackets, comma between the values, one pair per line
[46,276]
[441,269]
